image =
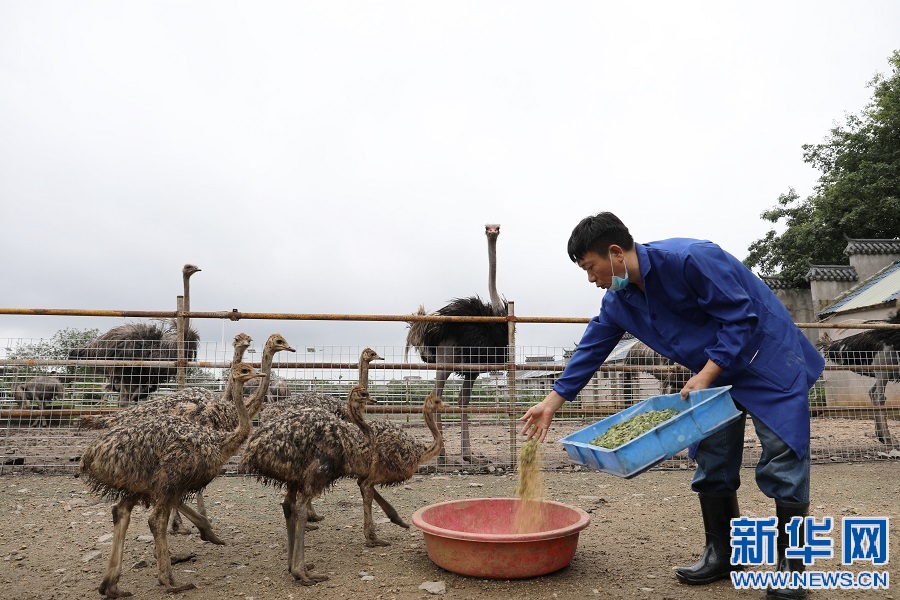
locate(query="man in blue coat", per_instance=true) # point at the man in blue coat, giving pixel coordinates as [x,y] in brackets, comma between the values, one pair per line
[698,305]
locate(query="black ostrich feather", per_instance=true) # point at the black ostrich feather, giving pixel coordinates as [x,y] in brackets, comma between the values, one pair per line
[472,343]
[859,349]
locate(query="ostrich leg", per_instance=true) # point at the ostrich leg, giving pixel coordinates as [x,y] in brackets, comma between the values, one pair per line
[386,506]
[121,515]
[202,523]
[177,526]
[439,383]
[465,395]
[159,518]
[878,397]
[368,494]
[198,518]
[201,504]
[299,569]
[290,521]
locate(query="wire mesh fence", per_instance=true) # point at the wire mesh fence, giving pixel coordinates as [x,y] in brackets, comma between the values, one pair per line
[46,387]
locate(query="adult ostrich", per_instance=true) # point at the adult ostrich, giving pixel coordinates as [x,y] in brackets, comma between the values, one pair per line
[142,342]
[447,344]
[873,353]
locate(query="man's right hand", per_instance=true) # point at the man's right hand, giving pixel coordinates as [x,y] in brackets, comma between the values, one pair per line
[538,418]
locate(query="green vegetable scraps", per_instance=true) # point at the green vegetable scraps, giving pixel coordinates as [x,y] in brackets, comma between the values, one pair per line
[626,431]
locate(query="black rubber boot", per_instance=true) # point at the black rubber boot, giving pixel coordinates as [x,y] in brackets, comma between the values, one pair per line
[785,511]
[715,564]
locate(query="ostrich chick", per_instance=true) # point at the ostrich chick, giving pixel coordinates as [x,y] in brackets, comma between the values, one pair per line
[398,455]
[340,409]
[159,462]
[306,450]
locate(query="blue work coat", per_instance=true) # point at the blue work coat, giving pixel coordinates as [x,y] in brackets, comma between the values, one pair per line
[701,303]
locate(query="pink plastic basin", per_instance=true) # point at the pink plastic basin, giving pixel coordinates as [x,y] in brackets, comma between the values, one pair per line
[476,537]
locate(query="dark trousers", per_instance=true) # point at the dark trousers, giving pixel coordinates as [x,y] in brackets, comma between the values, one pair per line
[780,474]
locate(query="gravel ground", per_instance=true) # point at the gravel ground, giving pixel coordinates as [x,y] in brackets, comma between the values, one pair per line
[55,538]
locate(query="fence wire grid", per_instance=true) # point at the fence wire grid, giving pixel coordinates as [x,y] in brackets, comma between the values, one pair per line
[46,390]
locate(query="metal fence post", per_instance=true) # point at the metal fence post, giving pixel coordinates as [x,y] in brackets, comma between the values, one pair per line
[511,380]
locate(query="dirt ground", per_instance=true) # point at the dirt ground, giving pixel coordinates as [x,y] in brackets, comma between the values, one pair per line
[55,538]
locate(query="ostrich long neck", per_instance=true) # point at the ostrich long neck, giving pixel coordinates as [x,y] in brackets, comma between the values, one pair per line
[356,410]
[492,274]
[363,372]
[435,448]
[255,402]
[233,440]
[239,350]
[186,277]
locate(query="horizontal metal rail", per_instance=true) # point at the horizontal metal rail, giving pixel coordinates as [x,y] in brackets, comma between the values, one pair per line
[236,315]
[458,367]
[404,409]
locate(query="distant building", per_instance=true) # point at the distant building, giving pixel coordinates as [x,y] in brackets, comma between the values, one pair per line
[865,289]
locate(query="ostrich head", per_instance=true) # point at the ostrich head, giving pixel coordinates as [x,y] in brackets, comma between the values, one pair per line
[244,372]
[276,340]
[358,398]
[241,342]
[186,271]
[277,343]
[368,355]
[492,230]
[433,403]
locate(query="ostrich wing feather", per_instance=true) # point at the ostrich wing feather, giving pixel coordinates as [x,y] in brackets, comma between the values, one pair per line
[473,343]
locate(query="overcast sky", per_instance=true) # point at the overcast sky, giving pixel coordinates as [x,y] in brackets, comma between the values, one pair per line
[343,157]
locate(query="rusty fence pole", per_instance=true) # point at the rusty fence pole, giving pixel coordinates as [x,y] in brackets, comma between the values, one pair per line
[511,380]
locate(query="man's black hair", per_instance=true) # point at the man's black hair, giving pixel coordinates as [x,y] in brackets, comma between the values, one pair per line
[596,234]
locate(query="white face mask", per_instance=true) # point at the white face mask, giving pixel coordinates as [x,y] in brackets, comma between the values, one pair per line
[617,283]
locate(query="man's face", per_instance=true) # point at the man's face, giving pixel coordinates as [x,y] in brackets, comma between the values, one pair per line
[598,269]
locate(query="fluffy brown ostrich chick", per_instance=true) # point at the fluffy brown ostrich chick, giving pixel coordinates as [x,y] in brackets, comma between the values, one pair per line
[306,450]
[204,407]
[159,462]
[340,409]
[398,455]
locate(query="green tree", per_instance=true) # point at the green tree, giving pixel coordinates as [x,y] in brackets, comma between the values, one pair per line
[57,347]
[857,193]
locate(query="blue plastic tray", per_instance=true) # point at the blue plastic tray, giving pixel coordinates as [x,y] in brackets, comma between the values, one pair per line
[702,414]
